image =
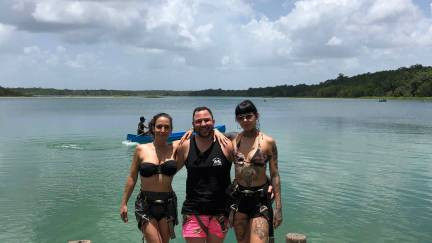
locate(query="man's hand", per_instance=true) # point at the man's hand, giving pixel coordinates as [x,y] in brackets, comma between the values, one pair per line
[224,141]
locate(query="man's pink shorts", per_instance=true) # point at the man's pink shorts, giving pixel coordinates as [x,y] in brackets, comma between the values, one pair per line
[192,229]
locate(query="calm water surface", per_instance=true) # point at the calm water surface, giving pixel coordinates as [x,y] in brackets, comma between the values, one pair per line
[351,170]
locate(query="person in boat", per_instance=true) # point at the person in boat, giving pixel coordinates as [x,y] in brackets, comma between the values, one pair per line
[251,212]
[156,204]
[208,167]
[141,127]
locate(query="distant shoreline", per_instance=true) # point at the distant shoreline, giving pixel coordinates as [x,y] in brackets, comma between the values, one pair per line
[84,96]
[143,97]
[414,82]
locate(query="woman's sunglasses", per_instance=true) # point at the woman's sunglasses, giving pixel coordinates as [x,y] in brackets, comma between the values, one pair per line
[247,116]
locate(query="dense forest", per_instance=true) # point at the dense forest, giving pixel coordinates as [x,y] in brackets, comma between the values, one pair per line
[98,92]
[414,81]
[9,92]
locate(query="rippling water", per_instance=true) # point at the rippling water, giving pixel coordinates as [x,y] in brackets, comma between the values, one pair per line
[352,170]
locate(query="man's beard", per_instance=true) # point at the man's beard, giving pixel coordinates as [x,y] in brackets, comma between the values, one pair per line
[202,134]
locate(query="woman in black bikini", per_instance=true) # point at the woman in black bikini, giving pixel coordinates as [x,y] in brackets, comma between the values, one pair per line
[156,204]
[251,212]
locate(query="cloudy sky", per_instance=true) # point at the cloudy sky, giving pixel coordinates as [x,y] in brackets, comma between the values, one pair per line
[198,44]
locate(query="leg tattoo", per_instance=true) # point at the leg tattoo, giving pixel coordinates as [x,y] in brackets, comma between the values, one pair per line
[260,229]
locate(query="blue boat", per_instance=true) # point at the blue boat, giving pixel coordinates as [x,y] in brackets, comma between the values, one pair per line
[174,136]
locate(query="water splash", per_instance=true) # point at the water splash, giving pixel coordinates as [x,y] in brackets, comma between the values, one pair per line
[129,143]
[67,146]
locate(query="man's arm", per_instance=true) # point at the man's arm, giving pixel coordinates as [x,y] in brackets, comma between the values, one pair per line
[228,150]
[275,181]
[181,152]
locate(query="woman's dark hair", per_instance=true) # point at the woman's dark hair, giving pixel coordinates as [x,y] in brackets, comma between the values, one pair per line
[246,106]
[152,123]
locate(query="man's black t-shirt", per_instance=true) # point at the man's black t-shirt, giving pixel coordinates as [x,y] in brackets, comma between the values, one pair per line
[208,176]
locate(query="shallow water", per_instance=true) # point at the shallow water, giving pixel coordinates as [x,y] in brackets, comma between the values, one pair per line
[351,170]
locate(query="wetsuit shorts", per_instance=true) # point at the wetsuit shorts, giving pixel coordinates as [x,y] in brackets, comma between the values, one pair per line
[251,205]
[155,205]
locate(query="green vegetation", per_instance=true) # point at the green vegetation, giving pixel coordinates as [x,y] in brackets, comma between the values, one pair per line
[9,92]
[99,92]
[415,81]
[412,82]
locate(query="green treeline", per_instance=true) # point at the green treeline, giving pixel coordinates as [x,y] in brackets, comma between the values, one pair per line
[98,92]
[414,81]
[9,92]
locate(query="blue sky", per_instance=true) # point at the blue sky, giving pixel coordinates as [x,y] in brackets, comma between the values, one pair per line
[199,44]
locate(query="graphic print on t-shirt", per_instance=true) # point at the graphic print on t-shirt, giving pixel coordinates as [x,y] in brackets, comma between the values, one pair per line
[217,161]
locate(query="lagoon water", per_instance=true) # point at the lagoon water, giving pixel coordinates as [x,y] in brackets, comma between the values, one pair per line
[352,170]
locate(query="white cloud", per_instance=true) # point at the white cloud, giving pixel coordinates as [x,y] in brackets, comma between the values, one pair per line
[314,28]
[28,50]
[85,13]
[154,24]
[82,61]
[334,41]
[179,60]
[382,11]
[225,60]
[60,49]
[155,38]
[264,30]
[58,56]
[5,33]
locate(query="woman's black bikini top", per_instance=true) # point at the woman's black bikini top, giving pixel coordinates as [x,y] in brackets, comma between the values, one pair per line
[258,159]
[168,168]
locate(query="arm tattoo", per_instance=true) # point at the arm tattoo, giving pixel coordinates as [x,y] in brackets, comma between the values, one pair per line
[274,158]
[274,153]
[275,179]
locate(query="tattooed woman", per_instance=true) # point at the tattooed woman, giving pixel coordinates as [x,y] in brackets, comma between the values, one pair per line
[156,204]
[251,212]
